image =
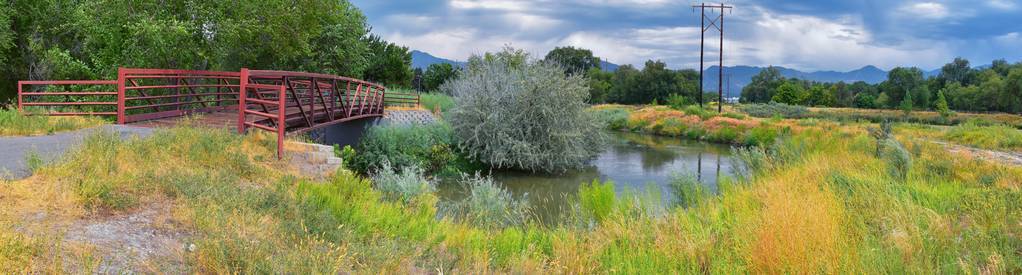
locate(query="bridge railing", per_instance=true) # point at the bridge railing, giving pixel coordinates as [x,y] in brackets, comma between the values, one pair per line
[318,100]
[401,99]
[277,101]
[68,97]
[136,94]
[156,93]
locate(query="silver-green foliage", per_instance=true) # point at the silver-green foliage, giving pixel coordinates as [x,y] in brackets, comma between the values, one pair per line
[404,185]
[525,115]
[898,160]
[488,204]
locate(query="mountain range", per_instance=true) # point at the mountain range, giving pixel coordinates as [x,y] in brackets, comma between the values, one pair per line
[740,76]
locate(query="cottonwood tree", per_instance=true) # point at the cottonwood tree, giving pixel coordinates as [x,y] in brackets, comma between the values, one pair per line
[438,74]
[574,60]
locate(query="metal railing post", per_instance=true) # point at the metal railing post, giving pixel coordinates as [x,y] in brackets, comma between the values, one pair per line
[281,121]
[120,95]
[20,111]
[242,95]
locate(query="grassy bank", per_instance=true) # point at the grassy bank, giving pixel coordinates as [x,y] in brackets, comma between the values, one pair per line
[13,123]
[819,201]
[692,123]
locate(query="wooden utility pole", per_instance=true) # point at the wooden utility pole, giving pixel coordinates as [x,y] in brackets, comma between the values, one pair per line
[702,40]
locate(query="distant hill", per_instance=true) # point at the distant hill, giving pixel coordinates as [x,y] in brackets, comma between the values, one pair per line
[742,76]
[422,60]
[607,66]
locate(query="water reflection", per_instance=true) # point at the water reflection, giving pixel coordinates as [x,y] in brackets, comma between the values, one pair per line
[633,162]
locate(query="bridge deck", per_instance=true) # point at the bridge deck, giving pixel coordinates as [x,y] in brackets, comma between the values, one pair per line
[219,119]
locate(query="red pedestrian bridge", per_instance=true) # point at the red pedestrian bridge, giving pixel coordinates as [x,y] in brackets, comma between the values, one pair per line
[281,102]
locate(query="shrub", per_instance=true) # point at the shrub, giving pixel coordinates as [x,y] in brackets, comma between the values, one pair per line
[425,146]
[614,118]
[347,154]
[405,185]
[512,112]
[774,109]
[688,191]
[758,136]
[678,102]
[749,161]
[488,205]
[898,160]
[697,111]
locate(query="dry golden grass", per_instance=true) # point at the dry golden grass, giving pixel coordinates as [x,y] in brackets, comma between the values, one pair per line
[800,225]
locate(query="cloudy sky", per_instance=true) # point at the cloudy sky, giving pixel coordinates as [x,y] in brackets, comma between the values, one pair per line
[808,35]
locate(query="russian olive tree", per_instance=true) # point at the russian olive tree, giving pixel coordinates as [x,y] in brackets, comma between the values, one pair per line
[513,112]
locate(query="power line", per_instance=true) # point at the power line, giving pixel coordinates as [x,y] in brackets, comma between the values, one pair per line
[716,22]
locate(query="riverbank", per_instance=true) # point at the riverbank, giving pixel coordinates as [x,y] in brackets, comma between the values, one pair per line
[694,123]
[819,200]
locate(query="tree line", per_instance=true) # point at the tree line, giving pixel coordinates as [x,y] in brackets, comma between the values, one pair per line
[958,86]
[626,85]
[70,39]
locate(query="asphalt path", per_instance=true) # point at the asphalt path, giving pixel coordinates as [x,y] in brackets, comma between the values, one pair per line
[14,150]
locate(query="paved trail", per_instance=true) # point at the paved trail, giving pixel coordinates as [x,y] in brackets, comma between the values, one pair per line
[13,150]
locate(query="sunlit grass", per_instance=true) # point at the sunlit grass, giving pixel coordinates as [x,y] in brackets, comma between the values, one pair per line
[14,123]
[998,137]
[819,202]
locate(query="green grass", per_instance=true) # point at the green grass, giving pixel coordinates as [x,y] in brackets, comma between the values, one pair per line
[817,201]
[996,137]
[432,101]
[13,123]
[597,199]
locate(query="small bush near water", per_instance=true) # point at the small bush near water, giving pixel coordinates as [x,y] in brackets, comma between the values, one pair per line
[516,113]
[430,147]
[404,185]
[687,189]
[488,205]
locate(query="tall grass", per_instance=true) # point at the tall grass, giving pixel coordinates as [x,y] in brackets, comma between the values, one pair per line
[996,136]
[821,201]
[488,204]
[597,199]
[14,123]
[436,101]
